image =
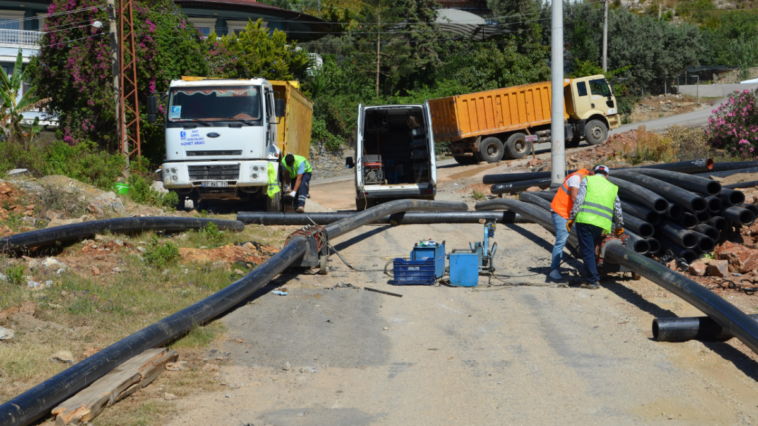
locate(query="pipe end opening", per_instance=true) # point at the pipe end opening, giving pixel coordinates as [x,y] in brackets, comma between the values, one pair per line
[660,206]
[736,198]
[747,217]
[713,187]
[689,240]
[675,211]
[656,329]
[699,204]
[655,246]
[690,256]
[646,230]
[641,246]
[706,245]
[715,205]
[689,221]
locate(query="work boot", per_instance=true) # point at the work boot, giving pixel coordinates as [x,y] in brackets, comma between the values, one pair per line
[555,274]
[591,286]
[300,209]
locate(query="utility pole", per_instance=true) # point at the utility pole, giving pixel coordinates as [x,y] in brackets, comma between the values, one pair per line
[129,132]
[319,9]
[660,9]
[558,154]
[605,38]
[378,44]
[113,36]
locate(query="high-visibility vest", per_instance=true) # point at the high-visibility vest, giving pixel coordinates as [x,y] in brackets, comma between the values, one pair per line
[597,208]
[562,203]
[273,183]
[296,166]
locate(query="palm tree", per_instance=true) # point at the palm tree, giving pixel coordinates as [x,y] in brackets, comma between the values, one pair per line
[13,105]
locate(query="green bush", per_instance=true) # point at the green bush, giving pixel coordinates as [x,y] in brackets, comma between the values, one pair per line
[211,234]
[15,274]
[161,255]
[141,192]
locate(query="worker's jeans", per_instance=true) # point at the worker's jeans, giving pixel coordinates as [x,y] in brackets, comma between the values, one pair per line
[305,183]
[561,235]
[588,234]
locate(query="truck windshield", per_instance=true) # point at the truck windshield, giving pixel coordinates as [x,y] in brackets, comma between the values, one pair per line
[237,103]
[600,87]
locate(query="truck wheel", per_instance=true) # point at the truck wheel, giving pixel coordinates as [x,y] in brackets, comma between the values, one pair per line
[517,146]
[274,204]
[465,160]
[491,150]
[595,132]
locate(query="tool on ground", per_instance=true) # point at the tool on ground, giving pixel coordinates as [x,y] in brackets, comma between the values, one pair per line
[467,264]
[382,292]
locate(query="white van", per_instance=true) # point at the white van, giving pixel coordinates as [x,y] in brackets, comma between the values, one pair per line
[395,156]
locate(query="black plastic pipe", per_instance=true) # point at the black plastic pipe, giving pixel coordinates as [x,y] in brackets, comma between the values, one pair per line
[679,252]
[704,215]
[545,195]
[691,328]
[80,231]
[731,197]
[403,218]
[674,212]
[644,213]
[533,198]
[689,220]
[714,204]
[635,193]
[39,400]
[638,226]
[677,234]
[511,187]
[697,184]
[708,230]
[726,173]
[704,244]
[655,246]
[719,222]
[638,244]
[748,184]
[695,166]
[674,194]
[738,216]
[733,165]
[752,207]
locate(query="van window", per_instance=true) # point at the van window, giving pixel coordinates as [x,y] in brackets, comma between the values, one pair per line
[600,87]
[581,88]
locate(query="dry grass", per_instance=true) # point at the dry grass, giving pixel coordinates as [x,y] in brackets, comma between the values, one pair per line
[645,146]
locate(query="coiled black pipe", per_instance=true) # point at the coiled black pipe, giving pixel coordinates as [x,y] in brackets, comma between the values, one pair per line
[677,234]
[39,400]
[695,184]
[719,222]
[507,188]
[738,216]
[680,252]
[695,166]
[691,328]
[703,216]
[638,244]
[655,246]
[674,212]
[725,173]
[714,204]
[80,231]
[689,220]
[533,198]
[402,218]
[731,197]
[721,311]
[708,230]
[674,194]
[644,213]
[638,226]
[633,192]
[545,195]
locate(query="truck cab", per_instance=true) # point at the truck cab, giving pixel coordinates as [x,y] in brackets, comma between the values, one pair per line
[221,136]
[395,155]
[591,106]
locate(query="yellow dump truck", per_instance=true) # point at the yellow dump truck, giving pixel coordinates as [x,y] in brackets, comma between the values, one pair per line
[503,123]
[294,129]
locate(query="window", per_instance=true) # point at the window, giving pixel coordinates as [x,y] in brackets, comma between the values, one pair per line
[11,19]
[581,87]
[236,27]
[600,87]
[216,103]
[205,25]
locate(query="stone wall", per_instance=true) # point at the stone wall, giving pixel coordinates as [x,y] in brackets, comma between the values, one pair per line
[327,164]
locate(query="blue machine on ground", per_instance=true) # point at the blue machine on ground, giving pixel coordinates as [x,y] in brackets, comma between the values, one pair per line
[466,265]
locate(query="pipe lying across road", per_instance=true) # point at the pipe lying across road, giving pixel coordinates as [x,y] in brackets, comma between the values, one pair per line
[402,218]
[722,312]
[691,328]
[38,401]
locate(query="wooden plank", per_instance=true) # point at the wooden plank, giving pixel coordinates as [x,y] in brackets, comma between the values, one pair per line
[119,383]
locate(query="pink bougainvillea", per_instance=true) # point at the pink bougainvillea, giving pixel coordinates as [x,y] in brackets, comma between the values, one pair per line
[734,124]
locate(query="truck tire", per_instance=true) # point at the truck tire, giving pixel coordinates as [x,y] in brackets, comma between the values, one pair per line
[491,150]
[465,160]
[517,146]
[595,132]
[274,204]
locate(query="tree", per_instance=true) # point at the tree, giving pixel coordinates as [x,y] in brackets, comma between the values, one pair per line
[14,105]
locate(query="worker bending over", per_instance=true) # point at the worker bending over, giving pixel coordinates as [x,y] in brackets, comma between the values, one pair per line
[597,210]
[560,209]
[300,170]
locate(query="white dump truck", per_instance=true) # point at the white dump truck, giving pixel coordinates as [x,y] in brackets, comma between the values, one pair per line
[222,134]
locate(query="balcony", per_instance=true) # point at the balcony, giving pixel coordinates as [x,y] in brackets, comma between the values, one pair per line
[20,38]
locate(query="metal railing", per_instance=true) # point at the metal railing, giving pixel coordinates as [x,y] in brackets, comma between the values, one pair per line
[20,37]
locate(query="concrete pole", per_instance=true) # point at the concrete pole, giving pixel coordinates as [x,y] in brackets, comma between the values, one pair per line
[605,38]
[558,154]
[113,37]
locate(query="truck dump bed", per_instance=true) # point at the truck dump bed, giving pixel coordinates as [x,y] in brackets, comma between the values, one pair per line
[294,129]
[495,111]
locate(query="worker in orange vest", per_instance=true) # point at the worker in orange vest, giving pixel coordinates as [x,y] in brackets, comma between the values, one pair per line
[560,209]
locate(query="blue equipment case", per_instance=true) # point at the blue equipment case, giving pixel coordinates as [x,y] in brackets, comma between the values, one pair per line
[436,252]
[464,269]
[414,272]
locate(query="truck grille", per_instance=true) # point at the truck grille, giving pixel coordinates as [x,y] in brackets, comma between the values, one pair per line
[226,172]
[209,153]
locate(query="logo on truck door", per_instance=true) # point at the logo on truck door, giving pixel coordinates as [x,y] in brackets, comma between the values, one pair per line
[213,135]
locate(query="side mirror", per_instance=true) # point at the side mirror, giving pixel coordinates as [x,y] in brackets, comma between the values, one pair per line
[279,107]
[152,109]
[349,163]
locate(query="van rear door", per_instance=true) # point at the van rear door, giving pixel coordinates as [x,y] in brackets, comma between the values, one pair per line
[430,139]
[359,151]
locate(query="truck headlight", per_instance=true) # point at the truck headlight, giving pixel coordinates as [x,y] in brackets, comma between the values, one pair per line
[175,178]
[173,170]
[255,175]
[255,168]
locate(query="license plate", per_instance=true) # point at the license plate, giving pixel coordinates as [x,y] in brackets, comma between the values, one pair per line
[214,184]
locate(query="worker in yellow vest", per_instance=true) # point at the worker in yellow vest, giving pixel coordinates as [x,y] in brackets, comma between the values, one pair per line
[299,170]
[596,211]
